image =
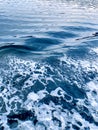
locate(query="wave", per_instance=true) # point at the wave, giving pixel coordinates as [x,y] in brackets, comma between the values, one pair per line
[48,65]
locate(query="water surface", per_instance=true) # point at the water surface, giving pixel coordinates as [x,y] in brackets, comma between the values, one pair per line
[48,65]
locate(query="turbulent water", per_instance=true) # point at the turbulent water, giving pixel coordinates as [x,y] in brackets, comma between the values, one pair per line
[48,65]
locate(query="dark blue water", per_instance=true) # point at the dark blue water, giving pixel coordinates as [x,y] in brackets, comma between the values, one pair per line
[48,65]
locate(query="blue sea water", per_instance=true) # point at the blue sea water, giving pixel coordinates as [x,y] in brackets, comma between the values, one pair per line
[48,65]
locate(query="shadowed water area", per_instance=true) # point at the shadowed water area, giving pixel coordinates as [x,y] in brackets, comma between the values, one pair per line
[48,65]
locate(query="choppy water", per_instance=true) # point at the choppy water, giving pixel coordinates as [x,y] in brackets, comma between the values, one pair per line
[48,65]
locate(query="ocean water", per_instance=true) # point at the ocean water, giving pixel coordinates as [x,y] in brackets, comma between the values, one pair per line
[48,64]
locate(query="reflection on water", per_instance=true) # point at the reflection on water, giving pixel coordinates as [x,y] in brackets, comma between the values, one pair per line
[48,65]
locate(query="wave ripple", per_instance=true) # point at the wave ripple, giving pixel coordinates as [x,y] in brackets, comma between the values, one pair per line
[48,65]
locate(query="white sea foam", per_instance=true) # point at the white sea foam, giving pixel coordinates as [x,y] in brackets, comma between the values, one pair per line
[49,116]
[95,50]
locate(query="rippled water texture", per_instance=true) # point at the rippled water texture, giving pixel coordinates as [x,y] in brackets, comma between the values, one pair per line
[48,65]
